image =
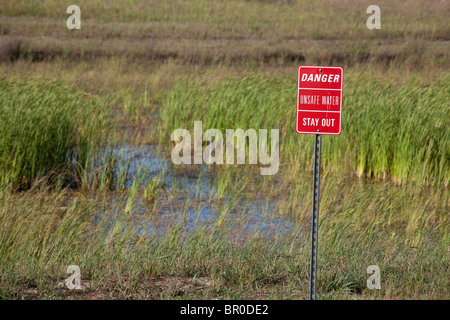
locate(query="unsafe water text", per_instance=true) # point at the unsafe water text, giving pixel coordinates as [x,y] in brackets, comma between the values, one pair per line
[307,99]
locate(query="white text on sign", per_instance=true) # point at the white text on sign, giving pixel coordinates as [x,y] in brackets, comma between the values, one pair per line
[320,77]
[315,122]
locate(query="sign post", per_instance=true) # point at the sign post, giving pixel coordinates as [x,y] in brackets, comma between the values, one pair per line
[315,218]
[319,104]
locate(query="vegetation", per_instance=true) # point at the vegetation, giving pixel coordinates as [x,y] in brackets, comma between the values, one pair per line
[82,181]
[319,32]
[43,234]
[380,120]
[47,131]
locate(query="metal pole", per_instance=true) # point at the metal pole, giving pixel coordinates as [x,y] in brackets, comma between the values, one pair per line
[315,218]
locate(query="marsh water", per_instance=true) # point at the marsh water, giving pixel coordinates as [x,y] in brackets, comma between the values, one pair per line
[191,198]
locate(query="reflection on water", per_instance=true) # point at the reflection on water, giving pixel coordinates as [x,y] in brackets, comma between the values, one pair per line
[191,198]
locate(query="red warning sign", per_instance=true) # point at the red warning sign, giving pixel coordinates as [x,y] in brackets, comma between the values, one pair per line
[319,100]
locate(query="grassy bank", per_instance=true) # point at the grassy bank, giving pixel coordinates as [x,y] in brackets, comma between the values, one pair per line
[251,33]
[57,230]
[317,19]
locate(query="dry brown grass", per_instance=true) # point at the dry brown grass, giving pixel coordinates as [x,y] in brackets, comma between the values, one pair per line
[236,32]
[9,48]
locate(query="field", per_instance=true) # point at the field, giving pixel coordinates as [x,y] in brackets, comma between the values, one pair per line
[86,176]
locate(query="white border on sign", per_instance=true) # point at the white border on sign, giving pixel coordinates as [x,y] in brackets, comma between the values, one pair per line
[298,88]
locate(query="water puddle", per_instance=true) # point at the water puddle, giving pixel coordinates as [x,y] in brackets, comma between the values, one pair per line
[191,198]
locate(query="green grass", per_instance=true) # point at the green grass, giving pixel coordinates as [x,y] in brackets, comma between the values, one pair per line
[389,129]
[42,232]
[47,130]
[281,19]
[402,229]
[234,65]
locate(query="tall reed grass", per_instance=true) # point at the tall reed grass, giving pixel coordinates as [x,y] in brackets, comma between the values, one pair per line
[389,129]
[46,130]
